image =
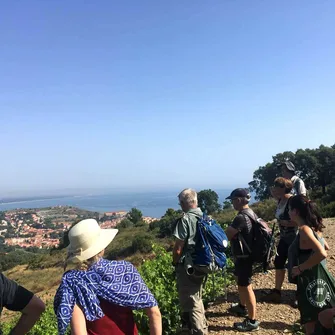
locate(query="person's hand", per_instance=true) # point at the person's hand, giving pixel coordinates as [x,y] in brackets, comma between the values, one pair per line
[296,271]
[326,318]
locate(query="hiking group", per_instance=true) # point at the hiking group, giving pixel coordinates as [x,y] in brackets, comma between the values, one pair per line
[97,296]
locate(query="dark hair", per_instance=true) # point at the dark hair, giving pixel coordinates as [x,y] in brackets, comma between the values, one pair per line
[308,211]
[283,182]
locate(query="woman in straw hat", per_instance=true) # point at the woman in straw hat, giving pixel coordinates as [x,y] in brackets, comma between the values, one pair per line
[100,299]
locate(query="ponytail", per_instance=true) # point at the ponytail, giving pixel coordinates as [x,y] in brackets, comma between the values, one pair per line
[308,211]
[84,265]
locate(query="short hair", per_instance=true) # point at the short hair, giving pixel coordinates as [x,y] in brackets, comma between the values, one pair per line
[188,197]
[284,183]
[245,200]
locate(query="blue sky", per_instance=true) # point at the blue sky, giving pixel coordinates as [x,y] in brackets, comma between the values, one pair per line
[152,95]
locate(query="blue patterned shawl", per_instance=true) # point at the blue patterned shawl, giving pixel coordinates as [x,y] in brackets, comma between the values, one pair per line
[115,281]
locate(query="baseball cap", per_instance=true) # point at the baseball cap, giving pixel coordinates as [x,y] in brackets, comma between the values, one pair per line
[289,165]
[239,193]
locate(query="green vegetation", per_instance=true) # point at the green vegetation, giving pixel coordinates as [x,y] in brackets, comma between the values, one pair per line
[149,246]
[167,223]
[159,275]
[135,216]
[315,166]
[16,257]
[47,325]
[209,201]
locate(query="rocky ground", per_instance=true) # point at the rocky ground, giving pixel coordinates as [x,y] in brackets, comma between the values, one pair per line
[274,318]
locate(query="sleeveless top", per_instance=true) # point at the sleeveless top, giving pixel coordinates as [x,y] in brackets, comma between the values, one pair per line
[298,256]
[118,320]
[286,233]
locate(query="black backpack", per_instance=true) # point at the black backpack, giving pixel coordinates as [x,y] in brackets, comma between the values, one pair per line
[261,241]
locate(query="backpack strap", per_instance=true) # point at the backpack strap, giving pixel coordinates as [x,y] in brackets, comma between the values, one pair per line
[243,242]
[241,238]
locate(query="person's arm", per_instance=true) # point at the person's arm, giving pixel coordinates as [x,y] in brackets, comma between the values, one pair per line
[78,322]
[238,223]
[326,318]
[181,233]
[231,232]
[309,241]
[155,320]
[30,315]
[17,298]
[326,244]
[177,250]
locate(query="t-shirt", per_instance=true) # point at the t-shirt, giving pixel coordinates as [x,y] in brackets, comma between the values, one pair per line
[118,320]
[243,224]
[298,186]
[13,296]
[186,229]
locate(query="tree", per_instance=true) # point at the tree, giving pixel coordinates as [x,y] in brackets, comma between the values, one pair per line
[208,201]
[168,222]
[315,166]
[135,215]
[227,205]
[124,224]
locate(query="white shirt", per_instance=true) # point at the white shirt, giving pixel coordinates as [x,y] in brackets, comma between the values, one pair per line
[298,186]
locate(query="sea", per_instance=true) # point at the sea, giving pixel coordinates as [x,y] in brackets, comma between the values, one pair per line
[153,204]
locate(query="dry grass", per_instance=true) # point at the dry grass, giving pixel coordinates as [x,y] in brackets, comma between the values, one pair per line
[36,280]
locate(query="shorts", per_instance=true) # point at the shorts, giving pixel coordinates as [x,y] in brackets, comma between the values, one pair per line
[243,271]
[282,253]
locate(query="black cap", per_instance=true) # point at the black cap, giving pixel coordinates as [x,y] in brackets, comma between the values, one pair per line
[289,165]
[239,193]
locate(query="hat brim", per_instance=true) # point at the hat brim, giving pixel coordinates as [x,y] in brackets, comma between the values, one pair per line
[229,197]
[105,238]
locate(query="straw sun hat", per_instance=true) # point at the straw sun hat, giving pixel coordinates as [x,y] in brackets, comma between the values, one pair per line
[87,239]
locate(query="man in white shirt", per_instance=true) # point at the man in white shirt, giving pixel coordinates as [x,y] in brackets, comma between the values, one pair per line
[288,172]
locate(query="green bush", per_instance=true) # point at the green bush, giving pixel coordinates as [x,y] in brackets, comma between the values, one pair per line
[328,210]
[46,325]
[142,243]
[124,224]
[225,217]
[17,257]
[159,275]
[265,209]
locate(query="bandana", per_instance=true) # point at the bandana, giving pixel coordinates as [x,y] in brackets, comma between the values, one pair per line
[115,281]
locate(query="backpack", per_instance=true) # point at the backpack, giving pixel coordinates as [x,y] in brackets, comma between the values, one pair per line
[260,249]
[211,242]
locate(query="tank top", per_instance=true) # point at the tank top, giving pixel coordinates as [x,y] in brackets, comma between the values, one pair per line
[298,256]
[118,320]
[286,233]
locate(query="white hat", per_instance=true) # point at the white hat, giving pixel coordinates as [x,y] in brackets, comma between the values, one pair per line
[87,239]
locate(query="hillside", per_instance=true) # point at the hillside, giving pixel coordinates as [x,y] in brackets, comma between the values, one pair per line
[44,276]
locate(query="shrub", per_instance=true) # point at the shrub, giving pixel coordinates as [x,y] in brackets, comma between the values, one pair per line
[124,224]
[46,325]
[225,217]
[328,210]
[142,243]
[159,275]
[265,209]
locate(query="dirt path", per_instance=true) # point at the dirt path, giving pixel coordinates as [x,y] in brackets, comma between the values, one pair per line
[274,318]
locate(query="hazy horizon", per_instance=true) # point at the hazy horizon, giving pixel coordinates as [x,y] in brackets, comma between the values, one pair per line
[101,191]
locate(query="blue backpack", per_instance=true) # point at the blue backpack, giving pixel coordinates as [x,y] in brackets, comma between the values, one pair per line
[211,242]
